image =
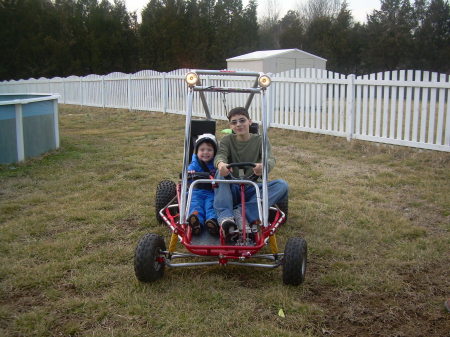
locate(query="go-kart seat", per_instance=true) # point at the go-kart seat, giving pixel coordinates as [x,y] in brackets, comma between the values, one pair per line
[199,127]
[254,128]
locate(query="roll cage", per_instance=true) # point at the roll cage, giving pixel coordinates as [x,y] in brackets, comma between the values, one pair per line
[260,84]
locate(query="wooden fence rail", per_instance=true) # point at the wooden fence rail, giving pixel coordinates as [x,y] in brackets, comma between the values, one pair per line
[405,107]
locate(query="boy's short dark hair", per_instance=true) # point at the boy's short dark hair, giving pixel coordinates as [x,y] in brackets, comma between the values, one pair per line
[238,111]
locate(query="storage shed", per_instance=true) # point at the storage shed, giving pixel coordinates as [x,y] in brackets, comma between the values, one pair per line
[276,61]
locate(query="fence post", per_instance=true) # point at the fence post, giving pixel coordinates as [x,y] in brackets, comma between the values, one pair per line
[270,93]
[208,96]
[103,91]
[350,106]
[130,103]
[81,90]
[165,94]
[64,89]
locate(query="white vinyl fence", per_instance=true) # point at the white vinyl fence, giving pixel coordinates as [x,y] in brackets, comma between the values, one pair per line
[407,108]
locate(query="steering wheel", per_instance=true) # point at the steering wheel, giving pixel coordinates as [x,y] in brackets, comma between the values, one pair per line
[252,176]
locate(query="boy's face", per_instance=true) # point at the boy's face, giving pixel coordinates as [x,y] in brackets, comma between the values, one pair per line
[240,124]
[205,152]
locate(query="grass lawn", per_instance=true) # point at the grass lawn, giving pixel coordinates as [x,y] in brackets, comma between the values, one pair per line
[376,219]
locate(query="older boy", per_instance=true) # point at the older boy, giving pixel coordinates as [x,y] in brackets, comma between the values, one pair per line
[242,146]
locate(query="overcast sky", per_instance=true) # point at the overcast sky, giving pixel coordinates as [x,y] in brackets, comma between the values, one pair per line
[359,8]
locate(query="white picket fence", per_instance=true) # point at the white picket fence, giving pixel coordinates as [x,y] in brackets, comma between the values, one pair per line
[408,108]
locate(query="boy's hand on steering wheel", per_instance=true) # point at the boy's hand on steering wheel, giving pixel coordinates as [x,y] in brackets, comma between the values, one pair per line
[223,170]
[258,169]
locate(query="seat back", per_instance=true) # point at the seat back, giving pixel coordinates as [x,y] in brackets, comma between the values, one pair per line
[254,128]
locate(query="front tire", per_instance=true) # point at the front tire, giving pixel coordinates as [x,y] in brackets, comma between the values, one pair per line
[166,191]
[147,263]
[294,261]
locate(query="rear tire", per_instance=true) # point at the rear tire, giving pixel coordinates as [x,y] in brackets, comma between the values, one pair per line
[283,205]
[147,266]
[165,192]
[294,261]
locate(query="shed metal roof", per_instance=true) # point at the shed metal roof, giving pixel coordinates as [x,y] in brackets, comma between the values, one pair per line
[265,54]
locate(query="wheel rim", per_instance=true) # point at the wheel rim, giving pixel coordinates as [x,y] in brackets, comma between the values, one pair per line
[156,264]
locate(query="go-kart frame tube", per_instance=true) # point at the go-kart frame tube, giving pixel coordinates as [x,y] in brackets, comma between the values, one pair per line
[170,221]
[227,72]
[187,140]
[228,89]
[169,262]
[265,196]
[223,181]
[276,264]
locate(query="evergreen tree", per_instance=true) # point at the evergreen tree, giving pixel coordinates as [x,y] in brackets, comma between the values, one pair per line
[389,36]
[27,31]
[269,27]
[79,37]
[292,31]
[432,37]
[319,37]
[345,44]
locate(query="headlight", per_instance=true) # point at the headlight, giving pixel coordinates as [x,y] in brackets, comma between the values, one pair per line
[264,81]
[191,79]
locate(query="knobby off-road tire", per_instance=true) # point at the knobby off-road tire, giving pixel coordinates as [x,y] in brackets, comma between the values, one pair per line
[146,265]
[165,192]
[294,261]
[283,205]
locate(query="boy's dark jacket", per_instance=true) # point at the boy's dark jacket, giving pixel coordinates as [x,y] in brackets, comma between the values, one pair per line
[196,166]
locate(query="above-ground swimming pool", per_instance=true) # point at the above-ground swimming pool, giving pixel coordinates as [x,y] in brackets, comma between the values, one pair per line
[28,126]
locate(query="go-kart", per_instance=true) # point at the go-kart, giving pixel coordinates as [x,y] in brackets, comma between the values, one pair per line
[173,199]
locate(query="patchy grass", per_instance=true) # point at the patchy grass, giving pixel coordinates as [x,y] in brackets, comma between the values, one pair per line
[376,219]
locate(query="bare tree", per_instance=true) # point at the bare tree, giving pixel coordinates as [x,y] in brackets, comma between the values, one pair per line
[313,9]
[270,12]
[270,24]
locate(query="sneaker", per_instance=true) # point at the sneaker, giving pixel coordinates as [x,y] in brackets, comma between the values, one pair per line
[255,225]
[194,223]
[212,226]
[237,212]
[254,228]
[229,229]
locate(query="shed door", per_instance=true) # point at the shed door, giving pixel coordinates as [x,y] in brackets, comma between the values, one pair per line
[284,63]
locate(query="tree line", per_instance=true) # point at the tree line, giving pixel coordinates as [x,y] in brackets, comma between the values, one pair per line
[48,38]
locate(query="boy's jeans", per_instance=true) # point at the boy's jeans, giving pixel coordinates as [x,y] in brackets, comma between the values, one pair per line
[226,196]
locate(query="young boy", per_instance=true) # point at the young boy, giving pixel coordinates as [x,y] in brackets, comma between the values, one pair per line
[202,202]
[242,146]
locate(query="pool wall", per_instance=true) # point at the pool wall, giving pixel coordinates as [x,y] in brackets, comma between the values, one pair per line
[29,126]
